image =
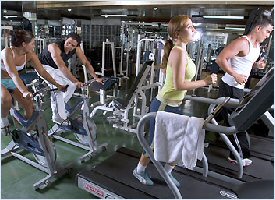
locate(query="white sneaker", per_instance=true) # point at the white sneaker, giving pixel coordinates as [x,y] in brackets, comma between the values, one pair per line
[143,177]
[4,122]
[5,126]
[247,162]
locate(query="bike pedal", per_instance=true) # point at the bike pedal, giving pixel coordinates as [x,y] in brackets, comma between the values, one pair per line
[31,133]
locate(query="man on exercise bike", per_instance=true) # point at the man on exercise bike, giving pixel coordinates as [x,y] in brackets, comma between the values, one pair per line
[55,60]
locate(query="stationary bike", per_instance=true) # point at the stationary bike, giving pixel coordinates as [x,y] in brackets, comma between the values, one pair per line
[32,137]
[81,125]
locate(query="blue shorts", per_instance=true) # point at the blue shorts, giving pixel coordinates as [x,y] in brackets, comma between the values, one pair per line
[26,78]
[9,84]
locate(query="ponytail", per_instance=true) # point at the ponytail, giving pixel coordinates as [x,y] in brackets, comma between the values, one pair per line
[167,49]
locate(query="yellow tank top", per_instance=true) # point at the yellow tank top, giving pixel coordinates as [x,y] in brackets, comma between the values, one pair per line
[168,91]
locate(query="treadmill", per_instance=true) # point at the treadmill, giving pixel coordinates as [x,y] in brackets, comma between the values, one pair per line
[113,178]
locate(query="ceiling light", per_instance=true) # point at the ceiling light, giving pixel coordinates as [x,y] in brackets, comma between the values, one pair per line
[222,17]
[107,15]
[9,16]
[69,9]
[234,28]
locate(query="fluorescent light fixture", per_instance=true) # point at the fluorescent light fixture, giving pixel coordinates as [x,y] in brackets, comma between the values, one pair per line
[222,17]
[9,16]
[196,24]
[234,28]
[107,15]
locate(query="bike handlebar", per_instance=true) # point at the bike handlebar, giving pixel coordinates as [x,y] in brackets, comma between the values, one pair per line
[50,90]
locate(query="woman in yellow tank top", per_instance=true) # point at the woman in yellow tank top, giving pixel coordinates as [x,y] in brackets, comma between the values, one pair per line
[180,71]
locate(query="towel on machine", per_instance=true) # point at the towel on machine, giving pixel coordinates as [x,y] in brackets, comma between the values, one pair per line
[178,139]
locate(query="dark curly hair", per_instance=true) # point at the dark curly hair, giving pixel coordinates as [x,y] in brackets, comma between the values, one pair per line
[75,36]
[20,36]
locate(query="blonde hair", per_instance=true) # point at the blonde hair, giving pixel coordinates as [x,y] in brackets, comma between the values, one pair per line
[175,25]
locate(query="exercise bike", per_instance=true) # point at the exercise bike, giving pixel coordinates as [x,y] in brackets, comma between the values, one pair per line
[32,137]
[82,126]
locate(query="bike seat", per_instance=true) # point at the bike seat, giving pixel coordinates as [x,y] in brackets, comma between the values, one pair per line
[108,84]
[120,103]
[95,86]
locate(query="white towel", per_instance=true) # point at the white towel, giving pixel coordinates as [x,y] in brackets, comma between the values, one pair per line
[178,139]
[168,136]
[193,145]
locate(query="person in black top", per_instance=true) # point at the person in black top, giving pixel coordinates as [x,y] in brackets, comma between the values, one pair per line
[55,60]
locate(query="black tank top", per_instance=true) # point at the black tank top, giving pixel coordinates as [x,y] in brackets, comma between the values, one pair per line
[46,59]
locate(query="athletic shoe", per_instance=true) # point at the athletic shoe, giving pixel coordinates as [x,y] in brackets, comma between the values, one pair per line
[174,180]
[246,161]
[4,122]
[5,126]
[143,177]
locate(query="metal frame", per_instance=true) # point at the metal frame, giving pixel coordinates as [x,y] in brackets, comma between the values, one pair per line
[51,167]
[123,114]
[103,57]
[92,147]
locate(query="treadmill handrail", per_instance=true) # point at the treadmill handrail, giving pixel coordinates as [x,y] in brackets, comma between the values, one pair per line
[232,103]
[219,128]
[160,168]
[145,145]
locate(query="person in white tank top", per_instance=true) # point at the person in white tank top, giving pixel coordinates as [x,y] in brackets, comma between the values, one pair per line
[237,60]
[13,59]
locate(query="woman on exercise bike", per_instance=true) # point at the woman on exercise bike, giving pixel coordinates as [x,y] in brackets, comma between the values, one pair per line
[13,60]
